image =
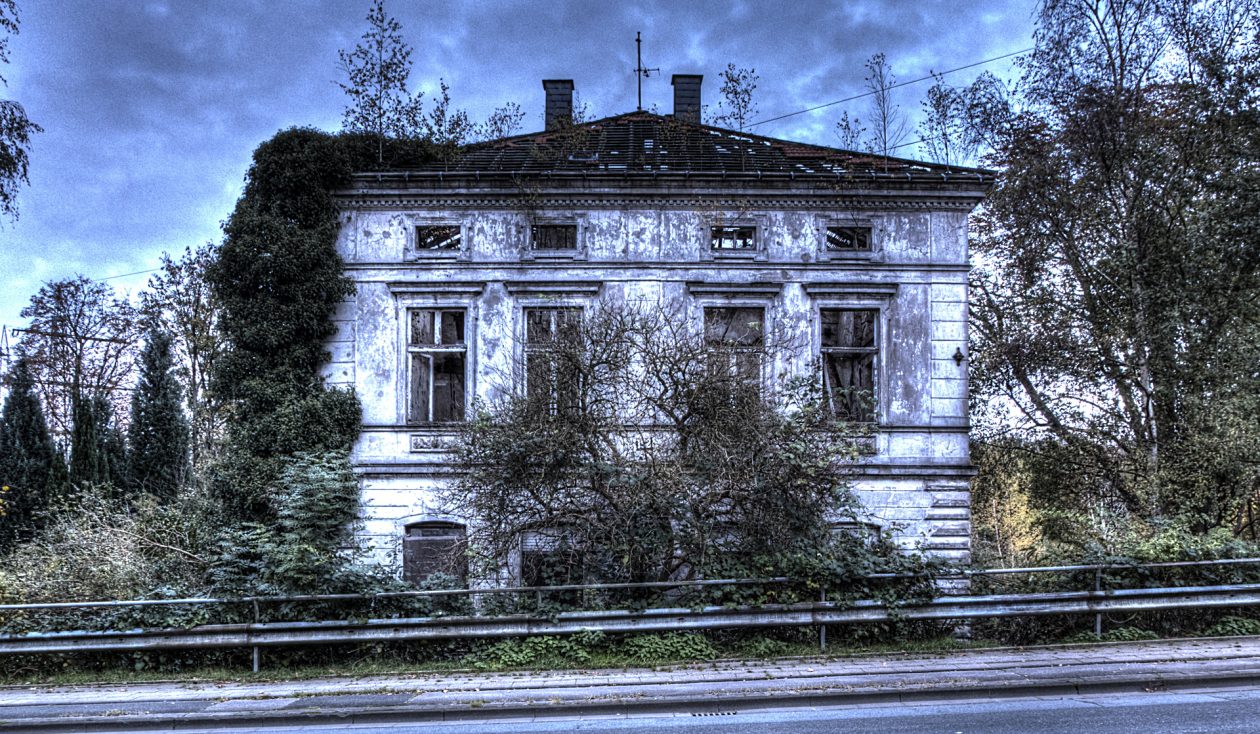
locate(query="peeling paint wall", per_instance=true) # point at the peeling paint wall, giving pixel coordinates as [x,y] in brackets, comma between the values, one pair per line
[916,482]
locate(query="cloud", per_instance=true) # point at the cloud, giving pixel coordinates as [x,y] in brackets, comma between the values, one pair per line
[151,110]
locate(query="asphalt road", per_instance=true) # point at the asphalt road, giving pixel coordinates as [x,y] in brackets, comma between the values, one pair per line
[1224,711]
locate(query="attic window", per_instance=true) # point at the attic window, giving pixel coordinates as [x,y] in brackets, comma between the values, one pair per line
[438,237]
[728,239]
[848,239]
[553,237]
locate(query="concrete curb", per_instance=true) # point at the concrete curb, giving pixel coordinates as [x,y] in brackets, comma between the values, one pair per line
[699,703]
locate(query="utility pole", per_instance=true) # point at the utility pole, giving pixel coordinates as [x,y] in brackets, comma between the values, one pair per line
[640,73]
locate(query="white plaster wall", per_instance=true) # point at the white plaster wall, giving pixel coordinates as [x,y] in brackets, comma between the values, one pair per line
[915,482]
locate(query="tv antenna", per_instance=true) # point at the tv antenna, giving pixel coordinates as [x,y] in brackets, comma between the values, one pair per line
[640,73]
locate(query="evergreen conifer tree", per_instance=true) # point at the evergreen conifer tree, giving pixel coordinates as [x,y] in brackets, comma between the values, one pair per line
[158,434]
[29,462]
[97,452]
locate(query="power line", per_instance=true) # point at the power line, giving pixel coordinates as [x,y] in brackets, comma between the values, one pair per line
[138,272]
[891,86]
[60,335]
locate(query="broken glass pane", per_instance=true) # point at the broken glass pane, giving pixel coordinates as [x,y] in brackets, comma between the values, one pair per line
[849,385]
[733,238]
[851,239]
[439,237]
[848,329]
[742,327]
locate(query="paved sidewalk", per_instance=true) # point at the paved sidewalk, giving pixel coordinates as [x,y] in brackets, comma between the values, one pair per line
[717,687]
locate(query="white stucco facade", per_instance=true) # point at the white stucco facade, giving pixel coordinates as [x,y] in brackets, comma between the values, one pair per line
[648,239]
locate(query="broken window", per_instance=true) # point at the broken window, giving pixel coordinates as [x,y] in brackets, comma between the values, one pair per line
[849,357]
[735,336]
[553,237]
[848,239]
[434,547]
[438,360]
[438,237]
[726,239]
[551,338]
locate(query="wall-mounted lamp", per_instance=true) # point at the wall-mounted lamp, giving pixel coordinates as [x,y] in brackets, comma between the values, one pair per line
[958,356]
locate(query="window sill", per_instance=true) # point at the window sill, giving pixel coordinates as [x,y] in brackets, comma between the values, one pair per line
[438,256]
[856,256]
[745,255]
[553,255]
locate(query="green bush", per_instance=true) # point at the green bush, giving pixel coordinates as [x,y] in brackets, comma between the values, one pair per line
[1233,627]
[666,648]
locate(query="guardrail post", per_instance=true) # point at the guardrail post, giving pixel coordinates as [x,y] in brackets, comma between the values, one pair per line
[257,653]
[1098,590]
[822,628]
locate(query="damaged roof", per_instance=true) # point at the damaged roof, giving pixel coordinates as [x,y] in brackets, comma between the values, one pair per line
[644,144]
[643,141]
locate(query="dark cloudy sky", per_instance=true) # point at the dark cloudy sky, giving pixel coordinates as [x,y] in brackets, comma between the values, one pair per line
[151,109]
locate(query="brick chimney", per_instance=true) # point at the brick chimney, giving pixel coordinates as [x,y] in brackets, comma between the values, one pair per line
[559,109]
[687,96]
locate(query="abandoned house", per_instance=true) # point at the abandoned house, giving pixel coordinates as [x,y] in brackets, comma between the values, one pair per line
[459,263]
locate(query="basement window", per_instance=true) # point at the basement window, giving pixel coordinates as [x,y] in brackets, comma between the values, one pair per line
[434,547]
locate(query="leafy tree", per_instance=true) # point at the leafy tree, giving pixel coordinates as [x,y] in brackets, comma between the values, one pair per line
[278,277]
[29,463]
[80,342]
[377,71]
[504,122]
[1115,302]
[180,301]
[737,107]
[15,127]
[157,435]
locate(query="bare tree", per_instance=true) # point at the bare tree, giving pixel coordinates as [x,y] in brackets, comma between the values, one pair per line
[945,131]
[81,341]
[889,128]
[632,449]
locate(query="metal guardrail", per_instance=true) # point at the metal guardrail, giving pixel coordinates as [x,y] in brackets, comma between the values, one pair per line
[257,635]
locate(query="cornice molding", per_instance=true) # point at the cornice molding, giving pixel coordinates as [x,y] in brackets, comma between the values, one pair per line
[436,288]
[851,289]
[552,288]
[518,202]
[705,288]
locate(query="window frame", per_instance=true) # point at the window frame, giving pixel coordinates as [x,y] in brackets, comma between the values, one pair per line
[529,349]
[577,252]
[872,252]
[410,351]
[414,251]
[733,367]
[877,350]
[756,223]
[458,540]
